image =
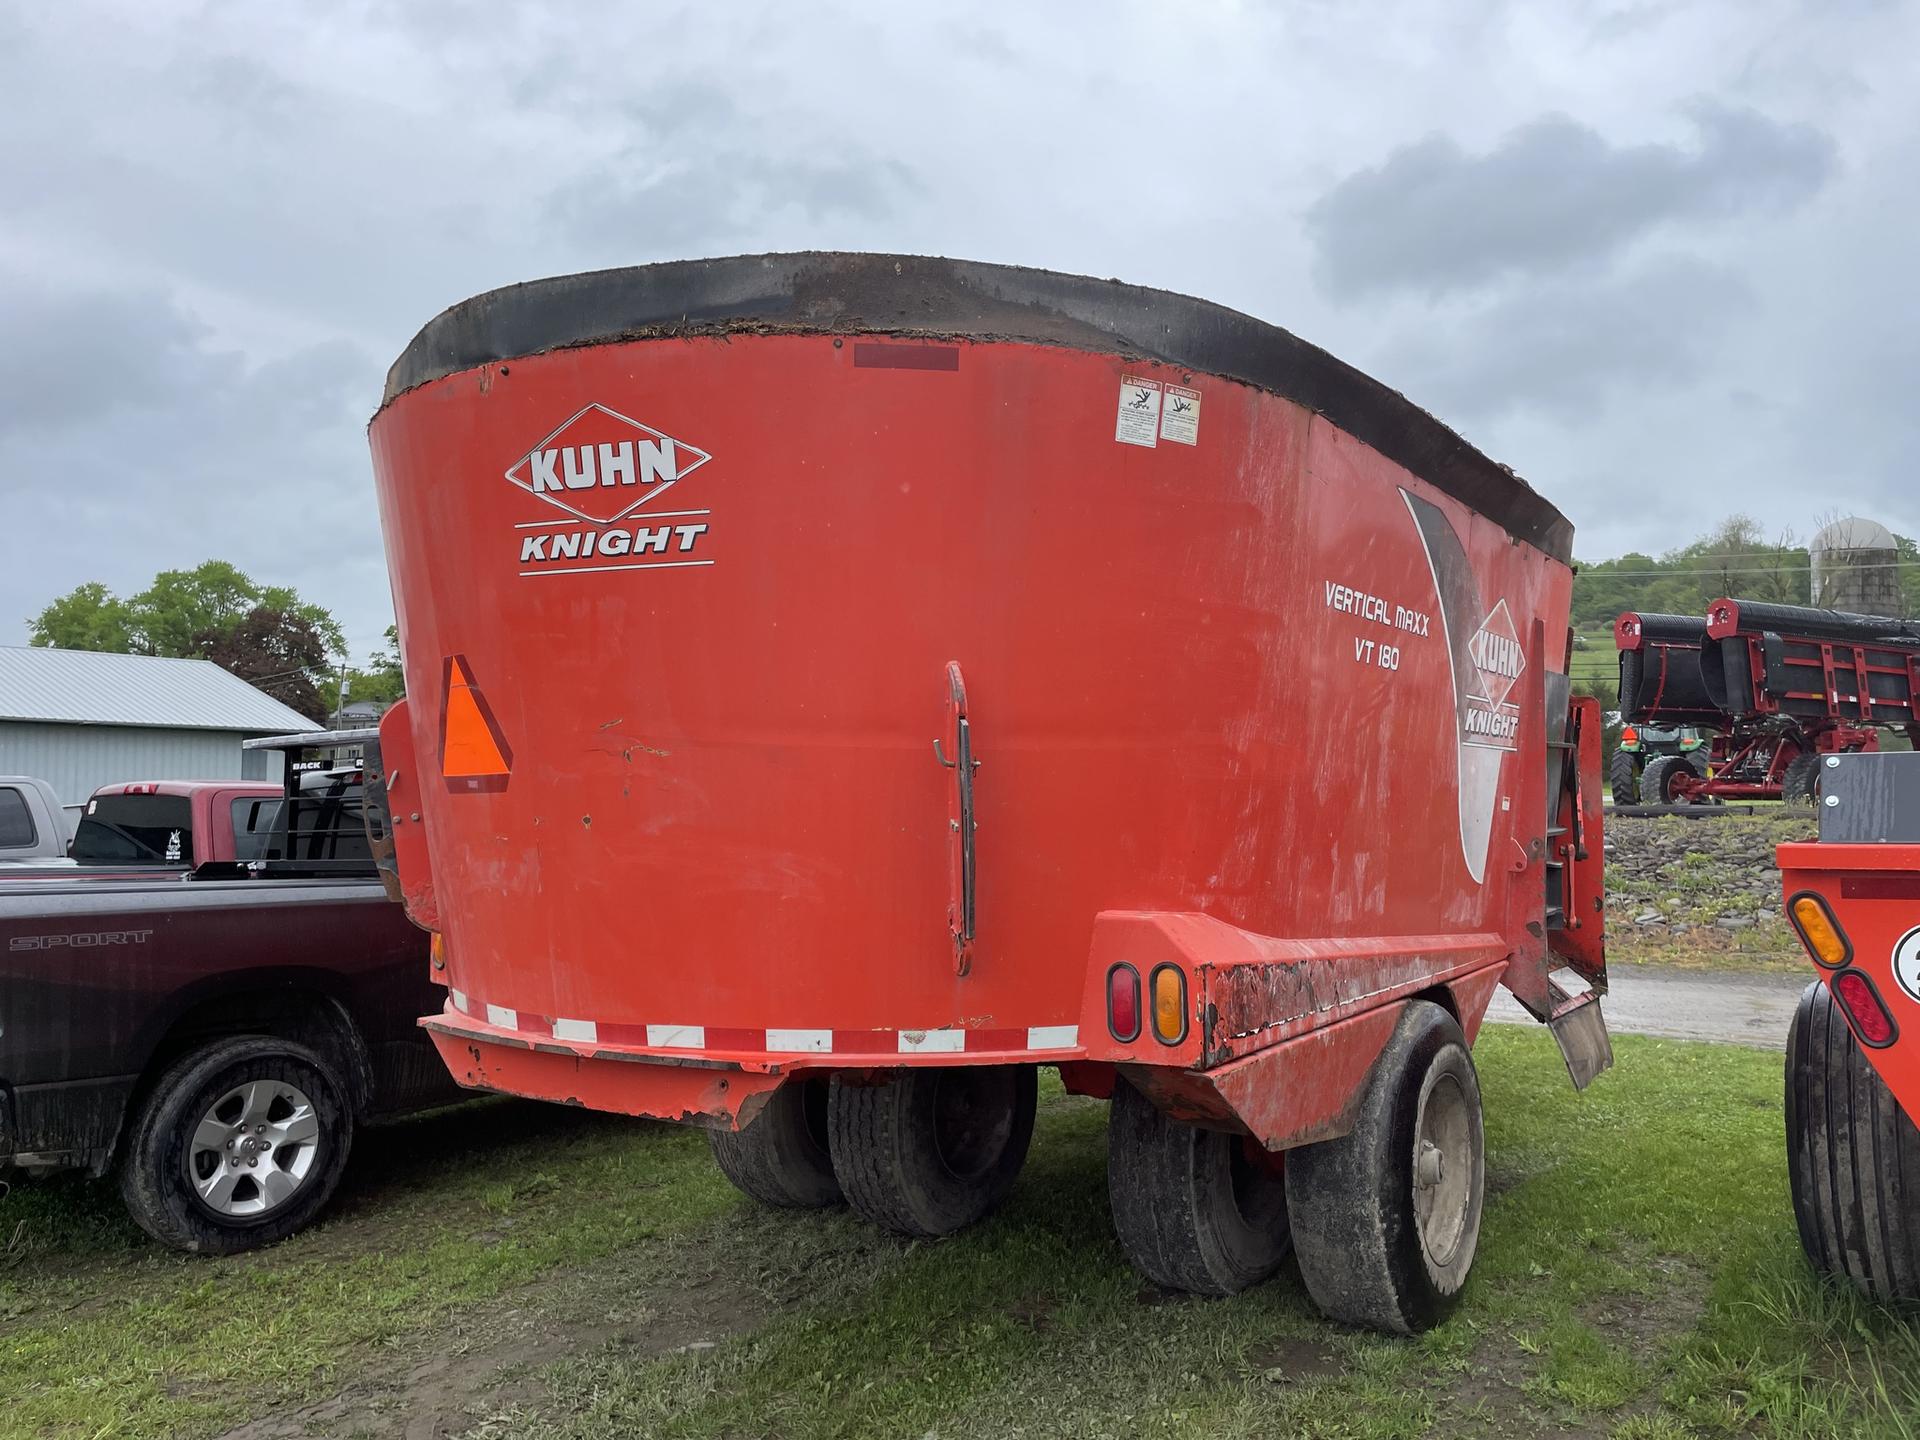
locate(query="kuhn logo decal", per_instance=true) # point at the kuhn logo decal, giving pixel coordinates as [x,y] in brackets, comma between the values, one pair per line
[1497,660]
[600,468]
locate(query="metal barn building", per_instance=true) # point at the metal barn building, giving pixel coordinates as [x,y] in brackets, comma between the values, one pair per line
[80,719]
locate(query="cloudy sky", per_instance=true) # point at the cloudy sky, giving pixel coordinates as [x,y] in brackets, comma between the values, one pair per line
[1657,257]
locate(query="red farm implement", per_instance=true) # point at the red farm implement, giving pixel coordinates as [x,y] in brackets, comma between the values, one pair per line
[1853,1055]
[841,685]
[1780,686]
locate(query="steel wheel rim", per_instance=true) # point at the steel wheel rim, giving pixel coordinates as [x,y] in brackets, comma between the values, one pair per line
[253,1149]
[1443,1168]
[972,1120]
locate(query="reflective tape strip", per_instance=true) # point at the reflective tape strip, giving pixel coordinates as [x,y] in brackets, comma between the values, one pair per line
[921,1042]
[582,1030]
[1053,1037]
[459,998]
[812,1042]
[677,1037]
[504,1018]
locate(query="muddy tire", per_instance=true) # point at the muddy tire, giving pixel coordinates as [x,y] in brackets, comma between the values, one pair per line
[1800,784]
[1387,1218]
[1662,774]
[1623,778]
[781,1158]
[1853,1158]
[928,1152]
[1193,1209]
[238,1145]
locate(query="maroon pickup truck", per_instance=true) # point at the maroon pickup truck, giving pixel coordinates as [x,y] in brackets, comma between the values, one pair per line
[155,827]
[213,1038]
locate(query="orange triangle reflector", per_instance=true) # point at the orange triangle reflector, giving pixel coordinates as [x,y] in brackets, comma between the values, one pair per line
[473,754]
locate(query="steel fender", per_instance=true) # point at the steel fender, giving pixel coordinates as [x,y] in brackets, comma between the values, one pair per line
[1248,992]
[1298,1092]
[412,860]
[703,1095]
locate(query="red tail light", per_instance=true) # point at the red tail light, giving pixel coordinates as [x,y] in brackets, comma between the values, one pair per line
[1629,736]
[1123,1002]
[1862,1002]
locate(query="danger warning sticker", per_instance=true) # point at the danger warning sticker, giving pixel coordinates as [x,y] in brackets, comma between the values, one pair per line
[1180,416]
[1139,422]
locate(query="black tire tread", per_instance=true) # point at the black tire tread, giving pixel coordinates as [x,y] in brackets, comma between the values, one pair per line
[1623,778]
[1853,1157]
[775,1159]
[1800,784]
[143,1176]
[877,1147]
[1350,1199]
[1162,1182]
[1653,779]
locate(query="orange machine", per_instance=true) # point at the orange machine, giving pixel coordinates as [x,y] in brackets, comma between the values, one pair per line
[842,684]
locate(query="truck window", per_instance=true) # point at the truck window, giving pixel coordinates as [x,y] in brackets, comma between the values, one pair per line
[255,824]
[16,820]
[152,829]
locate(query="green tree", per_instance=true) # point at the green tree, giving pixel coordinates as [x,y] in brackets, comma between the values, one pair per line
[215,611]
[88,617]
[381,680]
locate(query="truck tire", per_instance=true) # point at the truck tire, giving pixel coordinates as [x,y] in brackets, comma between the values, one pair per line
[1192,1209]
[781,1158]
[1800,785]
[1657,781]
[1386,1219]
[238,1145]
[928,1152]
[1623,778]
[1853,1158]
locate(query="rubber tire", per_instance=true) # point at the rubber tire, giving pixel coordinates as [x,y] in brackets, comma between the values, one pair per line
[1179,1214]
[1623,778]
[1853,1158]
[151,1183]
[781,1158]
[1351,1199]
[1654,789]
[887,1157]
[1800,784]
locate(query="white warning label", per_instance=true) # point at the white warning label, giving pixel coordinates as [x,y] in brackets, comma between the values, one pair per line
[1180,416]
[1139,422]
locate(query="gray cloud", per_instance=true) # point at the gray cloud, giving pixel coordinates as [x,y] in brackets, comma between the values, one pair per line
[130,442]
[1554,193]
[222,222]
[1569,348]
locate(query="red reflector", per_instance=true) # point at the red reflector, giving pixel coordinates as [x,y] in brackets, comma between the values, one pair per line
[1629,736]
[1123,1002]
[1870,1019]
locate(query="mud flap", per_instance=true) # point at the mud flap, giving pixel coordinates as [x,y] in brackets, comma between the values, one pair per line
[1580,1030]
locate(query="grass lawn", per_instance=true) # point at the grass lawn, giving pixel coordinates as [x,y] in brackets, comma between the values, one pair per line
[512,1270]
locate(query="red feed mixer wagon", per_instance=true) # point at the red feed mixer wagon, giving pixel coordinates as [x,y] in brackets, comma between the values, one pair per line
[840,685]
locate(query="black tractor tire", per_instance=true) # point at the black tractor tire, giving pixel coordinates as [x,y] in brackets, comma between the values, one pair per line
[1853,1158]
[1800,784]
[162,1149]
[1623,778]
[1194,1209]
[1368,1254]
[781,1158]
[928,1152]
[1658,779]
